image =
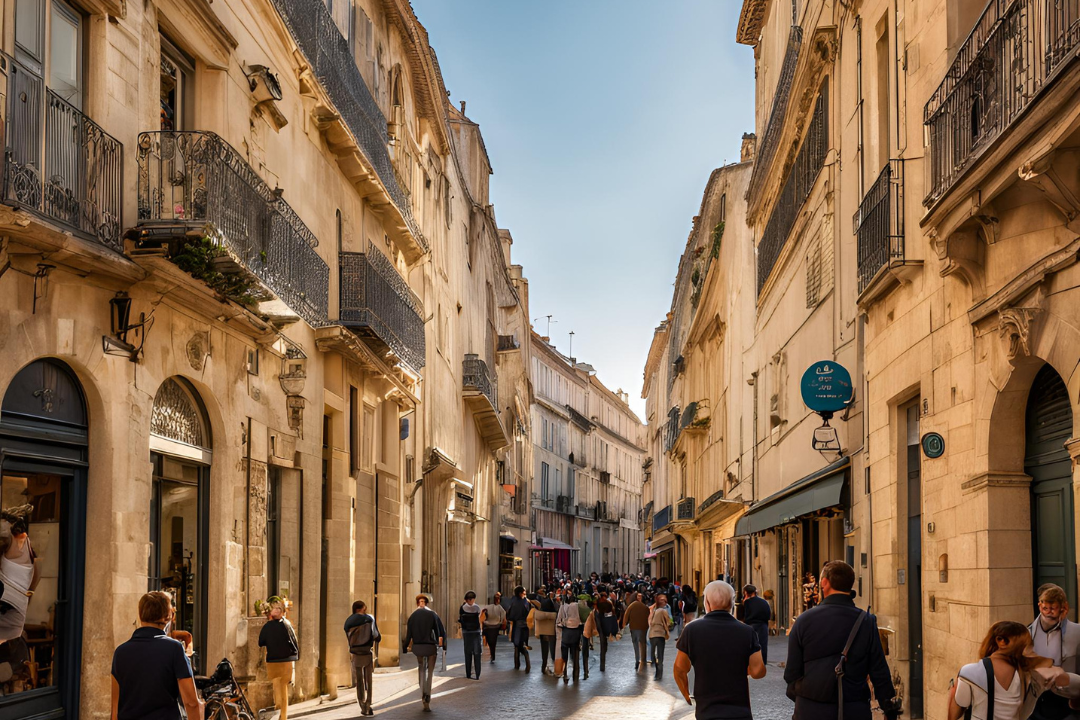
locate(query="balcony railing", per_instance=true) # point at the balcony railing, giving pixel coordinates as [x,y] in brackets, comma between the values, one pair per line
[564,504]
[332,62]
[58,163]
[671,429]
[477,375]
[195,182]
[605,477]
[879,223]
[1013,53]
[770,138]
[378,304]
[685,509]
[662,518]
[797,187]
[710,501]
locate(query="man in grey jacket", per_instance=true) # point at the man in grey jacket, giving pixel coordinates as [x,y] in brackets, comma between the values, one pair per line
[1054,637]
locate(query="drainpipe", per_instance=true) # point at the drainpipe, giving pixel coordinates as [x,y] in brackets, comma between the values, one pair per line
[247,524]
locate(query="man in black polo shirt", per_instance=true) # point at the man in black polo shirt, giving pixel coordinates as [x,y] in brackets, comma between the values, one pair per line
[150,672]
[757,613]
[722,652]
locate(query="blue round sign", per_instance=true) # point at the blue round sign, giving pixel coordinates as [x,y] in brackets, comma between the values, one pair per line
[826,387]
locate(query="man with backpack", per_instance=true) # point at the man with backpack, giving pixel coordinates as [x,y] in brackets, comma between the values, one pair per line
[833,649]
[362,632]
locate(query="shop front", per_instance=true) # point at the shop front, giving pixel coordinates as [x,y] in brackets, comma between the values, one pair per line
[550,558]
[43,485]
[793,533]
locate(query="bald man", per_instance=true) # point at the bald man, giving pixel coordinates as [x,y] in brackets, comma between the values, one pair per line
[723,652]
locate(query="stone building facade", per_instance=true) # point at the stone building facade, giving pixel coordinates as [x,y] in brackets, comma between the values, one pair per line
[700,436]
[254,304]
[948,300]
[587,471]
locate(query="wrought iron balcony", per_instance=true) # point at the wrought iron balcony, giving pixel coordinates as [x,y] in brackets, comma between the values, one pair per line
[800,181]
[710,501]
[334,66]
[770,139]
[685,509]
[195,187]
[671,429]
[564,504]
[605,477]
[477,376]
[480,390]
[58,163]
[662,518]
[1014,52]
[879,224]
[377,304]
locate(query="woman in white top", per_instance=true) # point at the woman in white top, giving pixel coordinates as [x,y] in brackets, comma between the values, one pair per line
[493,621]
[1020,677]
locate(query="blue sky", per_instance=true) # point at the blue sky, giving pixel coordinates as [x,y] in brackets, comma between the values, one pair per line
[603,120]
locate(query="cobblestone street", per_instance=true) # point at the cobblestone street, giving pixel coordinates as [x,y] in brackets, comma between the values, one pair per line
[504,693]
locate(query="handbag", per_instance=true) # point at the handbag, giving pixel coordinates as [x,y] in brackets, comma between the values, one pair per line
[530,621]
[560,666]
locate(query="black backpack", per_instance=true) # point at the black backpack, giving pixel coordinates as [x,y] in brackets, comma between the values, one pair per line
[361,639]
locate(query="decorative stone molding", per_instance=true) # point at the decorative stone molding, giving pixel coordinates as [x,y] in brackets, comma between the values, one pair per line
[962,253]
[1053,174]
[751,18]
[1073,446]
[996,479]
[1014,326]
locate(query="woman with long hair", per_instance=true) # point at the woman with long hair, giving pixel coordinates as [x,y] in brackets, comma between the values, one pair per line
[1019,677]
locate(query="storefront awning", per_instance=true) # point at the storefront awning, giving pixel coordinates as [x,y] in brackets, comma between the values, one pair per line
[814,492]
[552,544]
[508,536]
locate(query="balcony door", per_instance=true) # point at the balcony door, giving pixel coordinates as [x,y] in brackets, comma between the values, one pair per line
[176,87]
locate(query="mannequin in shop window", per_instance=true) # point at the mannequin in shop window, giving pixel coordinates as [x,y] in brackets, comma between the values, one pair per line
[19,575]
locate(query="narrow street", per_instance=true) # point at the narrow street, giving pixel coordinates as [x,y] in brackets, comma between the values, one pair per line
[503,692]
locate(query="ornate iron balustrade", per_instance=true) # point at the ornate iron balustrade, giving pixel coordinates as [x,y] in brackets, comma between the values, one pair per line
[778,113]
[563,504]
[1012,54]
[797,187]
[671,429]
[479,376]
[710,501]
[58,163]
[879,223]
[685,509]
[376,301]
[662,518]
[327,51]
[195,180]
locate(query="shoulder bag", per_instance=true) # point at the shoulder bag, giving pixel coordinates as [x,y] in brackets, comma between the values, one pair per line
[843,662]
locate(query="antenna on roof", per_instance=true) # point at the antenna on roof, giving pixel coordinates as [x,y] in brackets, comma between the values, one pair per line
[572,362]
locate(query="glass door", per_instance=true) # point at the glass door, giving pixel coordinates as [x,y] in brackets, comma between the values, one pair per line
[41,571]
[177,535]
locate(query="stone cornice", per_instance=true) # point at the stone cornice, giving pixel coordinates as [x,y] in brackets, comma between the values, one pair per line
[751,19]
[430,95]
[996,479]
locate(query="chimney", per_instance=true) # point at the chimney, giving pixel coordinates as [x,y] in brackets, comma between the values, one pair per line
[749,141]
[463,109]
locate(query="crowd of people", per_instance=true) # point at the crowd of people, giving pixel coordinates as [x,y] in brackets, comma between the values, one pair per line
[835,663]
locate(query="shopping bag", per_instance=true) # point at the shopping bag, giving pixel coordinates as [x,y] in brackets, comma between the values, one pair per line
[560,666]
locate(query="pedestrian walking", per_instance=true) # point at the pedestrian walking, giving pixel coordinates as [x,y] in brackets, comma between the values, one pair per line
[607,625]
[636,619]
[1009,680]
[756,614]
[1054,637]
[425,633]
[570,628]
[362,633]
[469,622]
[723,652]
[836,632]
[517,615]
[587,606]
[151,676]
[674,605]
[689,604]
[544,614]
[282,651]
[660,624]
[493,620]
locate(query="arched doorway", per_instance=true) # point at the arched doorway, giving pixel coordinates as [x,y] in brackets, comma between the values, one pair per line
[1048,427]
[180,453]
[43,446]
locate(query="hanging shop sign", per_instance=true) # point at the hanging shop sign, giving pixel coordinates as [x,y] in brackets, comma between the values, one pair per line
[826,387]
